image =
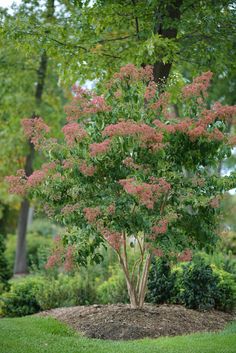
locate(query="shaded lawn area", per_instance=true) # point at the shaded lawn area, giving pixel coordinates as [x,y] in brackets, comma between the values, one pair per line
[46,335]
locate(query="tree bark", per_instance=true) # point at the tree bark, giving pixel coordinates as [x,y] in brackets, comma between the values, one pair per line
[161,70]
[20,266]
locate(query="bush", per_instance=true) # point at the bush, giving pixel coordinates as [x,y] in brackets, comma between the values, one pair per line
[225,296]
[114,289]
[21,299]
[199,286]
[64,291]
[161,282]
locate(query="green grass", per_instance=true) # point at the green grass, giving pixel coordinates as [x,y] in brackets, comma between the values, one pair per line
[46,335]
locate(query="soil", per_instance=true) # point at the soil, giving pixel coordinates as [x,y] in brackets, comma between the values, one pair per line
[120,322]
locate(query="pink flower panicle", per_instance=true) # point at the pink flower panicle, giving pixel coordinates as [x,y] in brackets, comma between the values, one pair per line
[56,256]
[36,178]
[185,256]
[215,202]
[150,91]
[199,86]
[34,130]
[114,239]
[146,133]
[224,112]
[69,259]
[73,133]
[85,103]
[99,148]
[147,194]
[129,162]
[17,183]
[87,170]
[91,213]
[68,209]
[161,227]
[131,73]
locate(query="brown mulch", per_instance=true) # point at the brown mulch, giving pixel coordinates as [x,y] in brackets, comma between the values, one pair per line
[120,322]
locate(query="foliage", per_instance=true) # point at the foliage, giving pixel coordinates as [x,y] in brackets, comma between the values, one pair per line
[64,291]
[21,299]
[161,282]
[4,267]
[38,250]
[141,173]
[47,335]
[225,296]
[199,286]
[113,290]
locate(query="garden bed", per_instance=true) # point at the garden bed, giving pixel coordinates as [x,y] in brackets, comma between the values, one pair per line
[120,322]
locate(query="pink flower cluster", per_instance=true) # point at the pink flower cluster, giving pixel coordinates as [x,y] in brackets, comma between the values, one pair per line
[224,112]
[17,183]
[91,213]
[186,255]
[87,170]
[199,86]
[215,202]
[34,130]
[69,259]
[145,132]
[163,103]
[73,133]
[99,148]
[147,194]
[85,103]
[129,162]
[132,73]
[113,238]
[150,91]
[36,178]
[70,209]
[56,255]
[161,227]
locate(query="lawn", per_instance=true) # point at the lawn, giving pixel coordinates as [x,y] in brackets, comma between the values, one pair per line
[46,335]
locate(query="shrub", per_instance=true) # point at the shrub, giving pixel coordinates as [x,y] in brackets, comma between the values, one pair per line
[199,286]
[64,291]
[21,299]
[161,282]
[114,289]
[225,296]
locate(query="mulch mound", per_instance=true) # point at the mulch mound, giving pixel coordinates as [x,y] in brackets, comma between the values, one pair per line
[120,322]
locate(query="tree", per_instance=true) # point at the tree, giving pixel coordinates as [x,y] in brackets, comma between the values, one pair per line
[131,173]
[25,73]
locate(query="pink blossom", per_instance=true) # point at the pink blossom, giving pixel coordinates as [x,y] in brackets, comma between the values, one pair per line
[224,112]
[111,209]
[186,255]
[199,85]
[150,91]
[74,133]
[99,148]
[147,194]
[161,227]
[18,183]
[145,132]
[215,202]
[36,178]
[87,170]
[34,130]
[91,213]
[114,239]
[216,134]
[68,209]
[69,259]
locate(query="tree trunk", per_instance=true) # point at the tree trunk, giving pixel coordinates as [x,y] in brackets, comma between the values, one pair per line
[20,266]
[161,70]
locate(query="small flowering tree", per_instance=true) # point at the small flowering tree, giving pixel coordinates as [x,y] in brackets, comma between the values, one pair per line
[131,173]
